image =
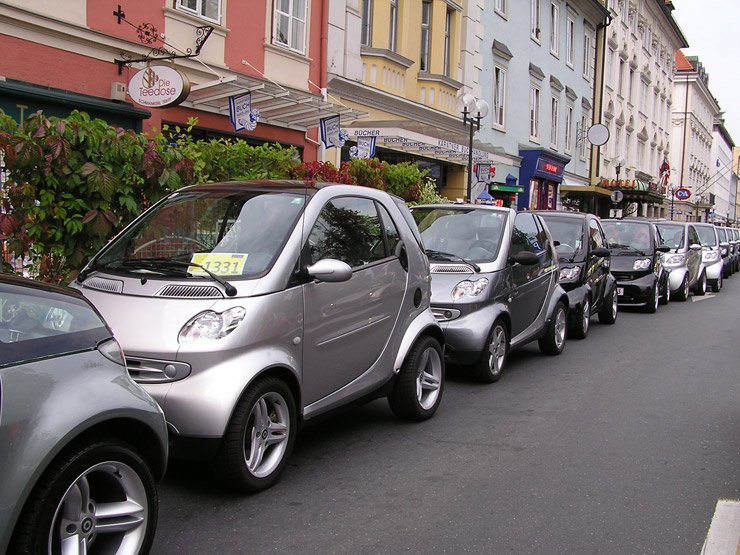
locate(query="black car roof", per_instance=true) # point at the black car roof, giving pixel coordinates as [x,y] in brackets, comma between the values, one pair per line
[284,185]
[12,279]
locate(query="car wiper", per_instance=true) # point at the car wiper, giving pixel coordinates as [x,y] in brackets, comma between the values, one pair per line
[159,263]
[628,248]
[451,257]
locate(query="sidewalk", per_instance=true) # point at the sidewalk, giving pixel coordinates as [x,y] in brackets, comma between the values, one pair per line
[724,532]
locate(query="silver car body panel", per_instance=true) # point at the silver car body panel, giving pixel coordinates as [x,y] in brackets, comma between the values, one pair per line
[46,404]
[299,328]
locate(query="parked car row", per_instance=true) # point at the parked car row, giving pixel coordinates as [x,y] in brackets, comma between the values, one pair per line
[247,309]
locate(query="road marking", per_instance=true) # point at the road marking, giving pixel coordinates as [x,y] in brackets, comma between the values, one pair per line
[696,299]
[723,537]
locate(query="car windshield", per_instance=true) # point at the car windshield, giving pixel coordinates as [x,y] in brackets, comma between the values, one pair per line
[672,235]
[722,235]
[628,237]
[707,236]
[469,234]
[569,233]
[229,233]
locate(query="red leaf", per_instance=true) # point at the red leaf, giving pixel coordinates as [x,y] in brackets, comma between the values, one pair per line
[90,216]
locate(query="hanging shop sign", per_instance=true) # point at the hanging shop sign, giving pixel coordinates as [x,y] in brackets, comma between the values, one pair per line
[241,114]
[332,134]
[158,87]
[365,148]
[682,194]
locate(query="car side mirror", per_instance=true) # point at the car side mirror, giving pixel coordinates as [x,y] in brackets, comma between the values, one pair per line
[695,247]
[329,269]
[601,252]
[663,248]
[403,256]
[555,243]
[526,258]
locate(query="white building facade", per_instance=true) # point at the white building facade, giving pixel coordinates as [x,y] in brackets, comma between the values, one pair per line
[720,183]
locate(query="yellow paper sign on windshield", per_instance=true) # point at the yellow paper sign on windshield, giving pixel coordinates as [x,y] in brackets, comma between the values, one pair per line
[219,263]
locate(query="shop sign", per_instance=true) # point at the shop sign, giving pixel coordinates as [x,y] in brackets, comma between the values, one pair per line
[547,166]
[158,87]
[682,194]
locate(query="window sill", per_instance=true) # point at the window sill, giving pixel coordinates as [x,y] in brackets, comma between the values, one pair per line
[287,52]
[193,19]
[501,14]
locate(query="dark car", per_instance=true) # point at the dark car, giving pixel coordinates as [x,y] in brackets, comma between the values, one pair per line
[726,250]
[81,445]
[584,268]
[494,283]
[636,248]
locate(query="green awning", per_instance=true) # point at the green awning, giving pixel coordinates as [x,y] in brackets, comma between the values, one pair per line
[505,188]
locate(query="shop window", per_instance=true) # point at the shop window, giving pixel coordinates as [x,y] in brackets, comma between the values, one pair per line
[289,28]
[207,9]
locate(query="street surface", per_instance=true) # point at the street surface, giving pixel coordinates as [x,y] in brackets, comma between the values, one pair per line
[623,444]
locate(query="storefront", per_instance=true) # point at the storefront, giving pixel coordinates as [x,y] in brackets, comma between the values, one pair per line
[593,199]
[541,174]
[505,193]
[640,198]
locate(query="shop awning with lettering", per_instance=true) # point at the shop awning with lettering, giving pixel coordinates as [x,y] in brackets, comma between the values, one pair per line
[426,141]
[585,190]
[278,105]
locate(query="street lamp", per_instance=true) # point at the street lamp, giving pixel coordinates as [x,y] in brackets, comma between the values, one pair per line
[618,163]
[468,105]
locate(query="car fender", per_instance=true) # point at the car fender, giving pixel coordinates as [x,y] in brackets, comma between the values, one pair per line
[676,277]
[558,294]
[423,323]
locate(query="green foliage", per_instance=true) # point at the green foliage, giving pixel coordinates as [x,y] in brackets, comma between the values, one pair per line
[429,194]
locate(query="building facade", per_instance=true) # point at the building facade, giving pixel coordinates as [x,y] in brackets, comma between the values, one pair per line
[638,102]
[694,112]
[78,54]
[538,75]
[720,182]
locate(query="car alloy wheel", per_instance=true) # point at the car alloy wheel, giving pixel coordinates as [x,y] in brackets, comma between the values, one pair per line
[652,305]
[666,297]
[259,438]
[683,292]
[608,312]
[94,498]
[701,286]
[554,340]
[418,389]
[491,363]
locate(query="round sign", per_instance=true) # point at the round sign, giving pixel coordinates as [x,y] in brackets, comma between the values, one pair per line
[682,194]
[158,87]
[617,196]
[597,134]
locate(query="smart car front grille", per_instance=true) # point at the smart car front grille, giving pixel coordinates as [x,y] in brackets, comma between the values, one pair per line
[189,291]
[104,284]
[629,276]
[147,370]
[450,269]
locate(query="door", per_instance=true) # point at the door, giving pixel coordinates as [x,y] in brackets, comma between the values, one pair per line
[347,325]
[530,282]
[693,258]
[597,267]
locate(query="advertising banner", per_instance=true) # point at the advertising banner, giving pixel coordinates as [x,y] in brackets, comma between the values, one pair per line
[332,135]
[365,148]
[241,115]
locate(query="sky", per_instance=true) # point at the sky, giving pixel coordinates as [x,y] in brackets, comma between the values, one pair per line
[712,29]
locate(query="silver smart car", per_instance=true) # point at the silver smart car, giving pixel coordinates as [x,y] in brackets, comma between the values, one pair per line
[81,444]
[686,271]
[245,308]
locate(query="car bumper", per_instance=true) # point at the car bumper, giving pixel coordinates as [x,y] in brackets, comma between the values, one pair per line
[714,271]
[466,335]
[636,292]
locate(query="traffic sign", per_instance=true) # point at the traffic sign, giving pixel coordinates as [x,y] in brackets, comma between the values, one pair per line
[617,196]
[682,194]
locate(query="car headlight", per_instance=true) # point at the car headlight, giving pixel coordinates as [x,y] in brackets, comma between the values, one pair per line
[469,288]
[111,350]
[642,264]
[211,325]
[711,256]
[675,260]
[570,273]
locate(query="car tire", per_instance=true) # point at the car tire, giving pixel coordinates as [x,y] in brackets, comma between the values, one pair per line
[418,389]
[651,307]
[259,437]
[490,365]
[717,285]
[683,292]
[579,326]
[553,342]
[665,298]
[608,312]
[700,288]
[101,490]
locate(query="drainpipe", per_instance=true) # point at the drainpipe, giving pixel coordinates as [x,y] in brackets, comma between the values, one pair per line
[599,95]
[323,63]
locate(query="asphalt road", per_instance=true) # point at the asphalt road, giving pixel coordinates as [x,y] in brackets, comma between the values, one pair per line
[623,444]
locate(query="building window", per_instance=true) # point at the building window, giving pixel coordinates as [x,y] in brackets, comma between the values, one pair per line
[534,19]
[448,42]
[643,96]
[500,6]
[290,24]
[426,25]
[618,142]
[568,128]
[628,146]
[641,155]
[609,70]
[631,85]
[534,114]
[366,31]
[620,90]
[570,39]
[554,29]
[393,26]
[587,57]
[207,9]
[499,96]
[554,115]
[584,125]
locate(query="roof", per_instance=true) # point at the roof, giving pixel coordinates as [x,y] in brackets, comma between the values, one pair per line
[682,62]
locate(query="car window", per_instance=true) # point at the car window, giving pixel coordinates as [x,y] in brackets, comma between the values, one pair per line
[409,219]
[672,234]
[544,240]
[347,229]
[596,236]
[693,236]
[628,236]
[707,235]
[36,324]
[391,231]
[526,235]
[721,234]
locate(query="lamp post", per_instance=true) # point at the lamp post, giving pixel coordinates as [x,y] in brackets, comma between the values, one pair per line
[618,163]
[469,105]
